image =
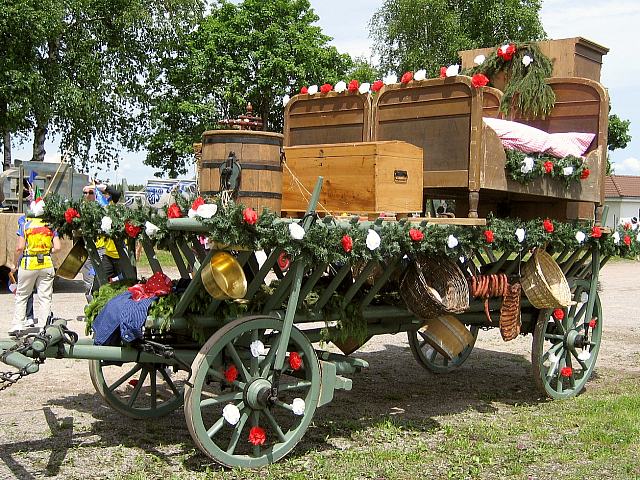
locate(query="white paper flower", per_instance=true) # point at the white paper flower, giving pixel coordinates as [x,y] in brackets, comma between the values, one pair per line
[364,88]
[584,355]
[526,60]
[340,87]
[313,89]
[616,238]
[207,210]
[452,242]
[296,231]
[150,229]
[580,236]
[298,406]
[373,240]
[566,171]
[504,48]
[390,79]
[285,100]
[527,165]
[461,258]
[257,348]
[420,75]
[105,224]
[192,213]
[452,70]
[479,59]
[37,207]
[584,297]
[231,413]
[520,234]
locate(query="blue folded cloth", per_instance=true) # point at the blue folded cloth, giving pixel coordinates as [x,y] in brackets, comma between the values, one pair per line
[121,315]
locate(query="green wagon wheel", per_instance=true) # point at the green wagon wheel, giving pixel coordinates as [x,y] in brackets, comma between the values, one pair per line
[564,352]
[429,358]
[138,390]
[230,410]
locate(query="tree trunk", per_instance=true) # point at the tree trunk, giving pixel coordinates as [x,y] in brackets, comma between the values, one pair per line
[39,137]
[7,151]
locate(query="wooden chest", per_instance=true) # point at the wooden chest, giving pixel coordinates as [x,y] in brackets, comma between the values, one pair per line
[369,177]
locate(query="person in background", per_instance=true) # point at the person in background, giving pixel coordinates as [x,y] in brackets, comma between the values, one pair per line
[107,194]
[87,271]
[36,241]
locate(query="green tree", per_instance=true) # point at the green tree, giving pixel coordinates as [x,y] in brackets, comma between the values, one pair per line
[414,34]
[618,136]
[364,70]
[256,51]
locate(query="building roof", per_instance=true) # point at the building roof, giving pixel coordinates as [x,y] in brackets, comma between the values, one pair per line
[622,186]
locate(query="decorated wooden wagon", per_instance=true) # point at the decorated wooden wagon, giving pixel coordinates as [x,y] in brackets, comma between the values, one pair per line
[240,339]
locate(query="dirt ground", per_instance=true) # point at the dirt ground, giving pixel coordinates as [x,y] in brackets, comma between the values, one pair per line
[54,425]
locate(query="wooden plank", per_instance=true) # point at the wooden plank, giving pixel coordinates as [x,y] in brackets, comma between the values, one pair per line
[415,110]
[475,222]
[446,178]
[184,273]
[323,119]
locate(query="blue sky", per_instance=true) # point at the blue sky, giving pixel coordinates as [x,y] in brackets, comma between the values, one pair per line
[613,24]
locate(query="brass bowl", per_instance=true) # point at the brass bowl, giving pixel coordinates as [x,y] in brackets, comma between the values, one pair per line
[223,277]
[73,262]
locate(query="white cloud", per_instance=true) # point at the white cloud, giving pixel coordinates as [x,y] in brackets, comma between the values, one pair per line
[629,166]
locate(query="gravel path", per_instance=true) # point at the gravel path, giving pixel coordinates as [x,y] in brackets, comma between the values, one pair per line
[54,425]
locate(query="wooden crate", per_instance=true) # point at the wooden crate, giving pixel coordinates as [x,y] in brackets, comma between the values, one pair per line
[369,177]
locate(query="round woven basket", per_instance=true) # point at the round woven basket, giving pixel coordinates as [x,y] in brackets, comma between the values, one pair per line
[543,282]
[433,286]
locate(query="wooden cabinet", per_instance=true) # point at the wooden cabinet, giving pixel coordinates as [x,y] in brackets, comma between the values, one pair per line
[368,177]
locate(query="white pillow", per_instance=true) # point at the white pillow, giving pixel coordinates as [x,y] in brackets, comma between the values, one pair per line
[569,143]
[518,136]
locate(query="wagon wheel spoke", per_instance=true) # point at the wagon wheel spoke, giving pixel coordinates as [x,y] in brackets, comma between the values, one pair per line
[274,425]
[267,363]
[231,350]
[255,422]
[124,377]
[169,381]
[216,427]
[235,436]
[582,364]
[221,399]
[302,384]
[255,361]
[220,376]
[138,387]
[154,389]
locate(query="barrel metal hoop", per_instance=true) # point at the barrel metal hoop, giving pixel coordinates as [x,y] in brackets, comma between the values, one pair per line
[250,140]
[245,166]
[248,194]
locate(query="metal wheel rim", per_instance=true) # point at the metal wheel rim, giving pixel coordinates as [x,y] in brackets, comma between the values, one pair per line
[141,373]
[431,359]
[547,374]
[208,356]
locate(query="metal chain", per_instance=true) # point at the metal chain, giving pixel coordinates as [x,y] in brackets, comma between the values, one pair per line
[8,379]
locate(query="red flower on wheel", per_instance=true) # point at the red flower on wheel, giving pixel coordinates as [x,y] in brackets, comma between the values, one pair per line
[295,361]
[347,243]
[566,372]
[231,374]
[488,236]
[592,323]
[416,235]
[548,226]
[250,216]
[174,211]
[70,214]
[132,230]
[558,314]
[257,436]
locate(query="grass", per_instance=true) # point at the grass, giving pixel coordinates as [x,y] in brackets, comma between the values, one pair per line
[164,257]
[596,435]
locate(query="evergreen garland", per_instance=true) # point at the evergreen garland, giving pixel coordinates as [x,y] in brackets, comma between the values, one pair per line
[515,166]
[525,88]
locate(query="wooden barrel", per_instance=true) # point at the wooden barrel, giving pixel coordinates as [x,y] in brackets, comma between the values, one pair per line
[258,153]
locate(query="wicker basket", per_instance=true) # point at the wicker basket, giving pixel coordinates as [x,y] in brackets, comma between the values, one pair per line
[433,286]
[543,282]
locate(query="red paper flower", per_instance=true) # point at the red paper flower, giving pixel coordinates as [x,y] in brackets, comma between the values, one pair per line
[70,214]
[548,226]
[558,314]
[627,240]
[257,436]
[548,166]
[174,211]
[353,86]
[596,232]
[585,174]
[488,236]
[231,374]
[326,88]
[295,361]
[443,72]
[132,230]
[283,261]
[133,382]
[479,80]
[592,323]
[347,243]
[304,91]
[566,372]
[415,234]
[507,53]
[407,77]
[197,203]
[250,216]
[377,85]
